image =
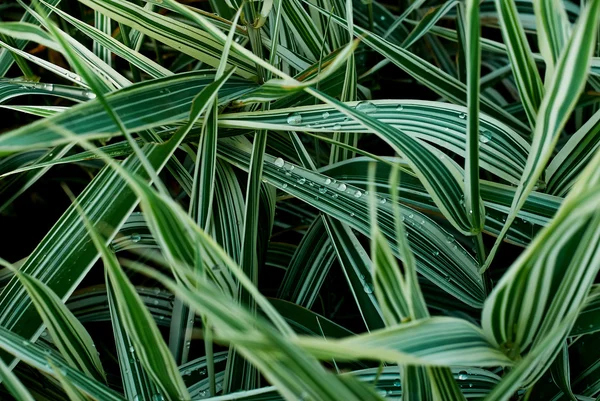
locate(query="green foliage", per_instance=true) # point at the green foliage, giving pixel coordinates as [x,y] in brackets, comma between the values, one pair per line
[300,200]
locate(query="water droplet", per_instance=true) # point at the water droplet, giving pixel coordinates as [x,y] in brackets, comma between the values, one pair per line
[351,214]
[342,187]
[131,349]
[25,343]
[301,181]
[485,137]
[399,108]
[368,288]
[436,253]
[462,375]
[397,383]
[382,200]
[334,196]
[294,119]
[448,279]
[284,185]
[450,238]
[357,194]
[327,181]
[322,190]
[366,107]
[410,216]
[279,162]
[337,127]
[135,237]
[325,115]
[90,95]
[462,116]
[187,344]
[470,384]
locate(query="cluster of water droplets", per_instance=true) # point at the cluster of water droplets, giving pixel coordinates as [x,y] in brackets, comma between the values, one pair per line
[325,186]
[206,393]
[296,119]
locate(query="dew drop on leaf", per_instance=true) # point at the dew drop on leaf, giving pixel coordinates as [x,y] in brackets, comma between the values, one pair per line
[342,187]
[485,137]
[366,107]
[294,119]
[279,162]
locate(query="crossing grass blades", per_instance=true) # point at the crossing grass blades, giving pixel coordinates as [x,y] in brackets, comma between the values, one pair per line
[300,200]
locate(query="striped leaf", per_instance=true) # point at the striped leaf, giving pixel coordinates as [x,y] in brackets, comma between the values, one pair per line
[172,32]
[436,341]
[522,63]
[13,384]
[68,334]
[136,382]
[147,341]
[560,282]
[39,358]
[169,99]
[561,96]
[553,30]
[473,204]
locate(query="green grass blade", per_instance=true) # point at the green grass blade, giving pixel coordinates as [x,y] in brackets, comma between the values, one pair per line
[39,358]
[563,91]
[136,383]
[522,63]
[68,334]
[553,31]
[473,205]
[175,33]
[147,340]
[13,384]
